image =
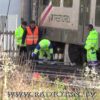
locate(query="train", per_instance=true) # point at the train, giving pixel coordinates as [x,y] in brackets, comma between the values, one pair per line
[65,24]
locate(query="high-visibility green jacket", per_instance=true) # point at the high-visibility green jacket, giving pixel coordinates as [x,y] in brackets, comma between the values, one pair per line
[44,45]
[92,40]
[18,35]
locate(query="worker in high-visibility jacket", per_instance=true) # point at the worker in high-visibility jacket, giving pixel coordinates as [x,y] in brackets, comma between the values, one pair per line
[31,37]
[19,33]
[91,46]
[45,49]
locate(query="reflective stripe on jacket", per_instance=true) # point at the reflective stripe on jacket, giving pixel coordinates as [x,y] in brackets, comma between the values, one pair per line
[32,37]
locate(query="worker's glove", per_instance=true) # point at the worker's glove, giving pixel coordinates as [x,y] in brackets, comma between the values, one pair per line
[33,54]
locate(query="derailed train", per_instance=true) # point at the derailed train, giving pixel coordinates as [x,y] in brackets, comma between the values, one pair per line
[65,24]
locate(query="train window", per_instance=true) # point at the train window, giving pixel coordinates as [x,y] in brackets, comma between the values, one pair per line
[97,15]
[45,2]
[56,3]
[68,3]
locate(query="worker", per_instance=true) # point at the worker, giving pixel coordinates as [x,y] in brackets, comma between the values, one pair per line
[31,37]
[45,49]
[19,33]
[91,46]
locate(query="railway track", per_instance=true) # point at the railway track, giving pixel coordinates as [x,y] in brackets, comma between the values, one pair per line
[73,74]
[59,68]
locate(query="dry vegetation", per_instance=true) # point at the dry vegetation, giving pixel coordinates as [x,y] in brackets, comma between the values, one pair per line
[20,79]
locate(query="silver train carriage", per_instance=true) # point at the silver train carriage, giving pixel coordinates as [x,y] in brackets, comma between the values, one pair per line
[65,24]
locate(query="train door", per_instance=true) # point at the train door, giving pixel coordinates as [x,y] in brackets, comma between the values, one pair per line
[95,14]
[84,12]
[76,52]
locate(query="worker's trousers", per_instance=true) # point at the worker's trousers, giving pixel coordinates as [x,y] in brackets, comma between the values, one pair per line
[30,48]
[44,54]
[91,55]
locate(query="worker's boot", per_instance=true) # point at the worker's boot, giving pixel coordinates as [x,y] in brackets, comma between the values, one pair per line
[40,61]
[94,72]
[87,71]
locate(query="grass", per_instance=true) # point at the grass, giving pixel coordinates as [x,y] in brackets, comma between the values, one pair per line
[20,83]
[21,80]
